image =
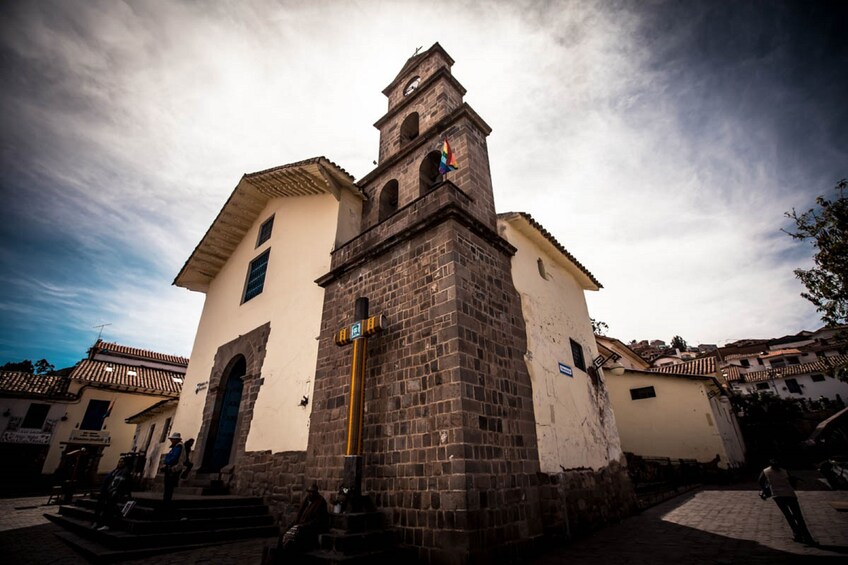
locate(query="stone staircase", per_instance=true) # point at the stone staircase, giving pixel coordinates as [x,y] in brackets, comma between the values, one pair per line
[354,538]
[192,521]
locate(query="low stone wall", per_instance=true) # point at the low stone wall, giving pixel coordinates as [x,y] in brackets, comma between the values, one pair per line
[276,477]
[579,501]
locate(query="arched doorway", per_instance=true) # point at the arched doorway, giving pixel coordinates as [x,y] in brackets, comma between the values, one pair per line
[219,444]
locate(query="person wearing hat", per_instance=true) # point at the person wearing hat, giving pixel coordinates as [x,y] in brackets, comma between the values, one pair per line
[171,467]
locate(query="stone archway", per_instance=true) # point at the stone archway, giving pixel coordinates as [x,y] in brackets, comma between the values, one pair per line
[247,351]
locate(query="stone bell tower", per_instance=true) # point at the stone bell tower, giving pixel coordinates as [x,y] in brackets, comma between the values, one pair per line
[449,439]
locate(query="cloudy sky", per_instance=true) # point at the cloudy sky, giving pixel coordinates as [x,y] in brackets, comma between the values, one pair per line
[660,142]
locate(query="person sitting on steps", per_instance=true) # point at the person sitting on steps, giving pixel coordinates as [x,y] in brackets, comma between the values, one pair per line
[117,487]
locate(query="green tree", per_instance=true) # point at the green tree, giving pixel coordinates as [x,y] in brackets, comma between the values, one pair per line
[678,342]
[599,327]
[44,367]
[24,366]
[826,228]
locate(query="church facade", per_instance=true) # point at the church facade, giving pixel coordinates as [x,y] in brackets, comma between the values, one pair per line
[484,426]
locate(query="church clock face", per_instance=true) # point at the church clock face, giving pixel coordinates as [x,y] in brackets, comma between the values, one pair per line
[411,86]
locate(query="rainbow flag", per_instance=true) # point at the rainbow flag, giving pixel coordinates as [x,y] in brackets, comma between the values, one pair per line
[448,162]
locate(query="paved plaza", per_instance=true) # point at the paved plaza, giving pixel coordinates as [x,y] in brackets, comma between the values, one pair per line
[703,527]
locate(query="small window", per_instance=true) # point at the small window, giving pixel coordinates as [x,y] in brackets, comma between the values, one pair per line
[745,362]
[35,416]
[763,386]
[644,392]
[541,266]
[94,415]
[256,276]
[817,378]
[265,231]
[577,354]
[793,386]
[759,361]
[778,364]
[793,361]
[165,429]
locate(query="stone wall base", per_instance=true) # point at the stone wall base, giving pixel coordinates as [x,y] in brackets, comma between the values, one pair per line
[276,477]
[579,501]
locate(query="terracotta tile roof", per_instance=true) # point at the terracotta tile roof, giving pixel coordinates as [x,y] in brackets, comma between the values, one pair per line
[547,235]
[820,366]
[123,350]
[14,383]
[781,352]
[145,379]
[701,366]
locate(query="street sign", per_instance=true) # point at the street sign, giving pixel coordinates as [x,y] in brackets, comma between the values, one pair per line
[566,370]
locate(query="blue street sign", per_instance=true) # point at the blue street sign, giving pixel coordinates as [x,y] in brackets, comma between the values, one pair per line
[566,370]
[356,330]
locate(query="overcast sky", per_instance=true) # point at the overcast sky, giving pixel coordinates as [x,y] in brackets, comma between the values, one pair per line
[660,142]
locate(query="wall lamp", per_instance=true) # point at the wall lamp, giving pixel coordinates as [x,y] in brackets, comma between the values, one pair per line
[617,368]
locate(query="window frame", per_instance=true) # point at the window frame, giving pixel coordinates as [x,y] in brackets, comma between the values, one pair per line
[577,347]
[269,223]
[266,255]
[643,392]
[30,415]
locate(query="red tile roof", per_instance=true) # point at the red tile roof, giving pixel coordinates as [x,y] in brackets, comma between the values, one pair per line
[145,379]
[14,383]
[820,366]
[125,351]
[700,366]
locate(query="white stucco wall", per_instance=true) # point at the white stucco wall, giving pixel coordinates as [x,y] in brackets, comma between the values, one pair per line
[729,430]
[155,448]
[304,233]
[120,433]
[810,390]
[678,423]
[575,425]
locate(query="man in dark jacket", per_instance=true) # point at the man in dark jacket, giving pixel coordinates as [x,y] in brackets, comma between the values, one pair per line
[116,488]
[172,467]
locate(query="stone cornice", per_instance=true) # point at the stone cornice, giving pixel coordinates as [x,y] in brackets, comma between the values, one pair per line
[445,202]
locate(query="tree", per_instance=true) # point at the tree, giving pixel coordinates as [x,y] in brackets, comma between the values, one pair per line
[826,227]
[678,342]
[599,327]
[44,367]
[24,366]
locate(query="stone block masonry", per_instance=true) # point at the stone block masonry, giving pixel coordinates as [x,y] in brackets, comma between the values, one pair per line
[449,434]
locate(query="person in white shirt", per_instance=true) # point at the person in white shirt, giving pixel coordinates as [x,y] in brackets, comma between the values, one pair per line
[783,492]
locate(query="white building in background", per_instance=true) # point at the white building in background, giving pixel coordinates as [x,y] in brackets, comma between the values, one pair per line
[75,424]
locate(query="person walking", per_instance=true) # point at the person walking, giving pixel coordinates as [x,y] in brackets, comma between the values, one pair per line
[172,467]
[781,484]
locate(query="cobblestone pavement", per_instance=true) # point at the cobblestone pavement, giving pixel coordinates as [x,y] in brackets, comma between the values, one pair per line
[713,527]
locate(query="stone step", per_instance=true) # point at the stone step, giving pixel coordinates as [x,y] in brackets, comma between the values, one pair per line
[390,556]
[349,543]
[357,521]
[142,512]
[121,540]
[96,553]
[197,524]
